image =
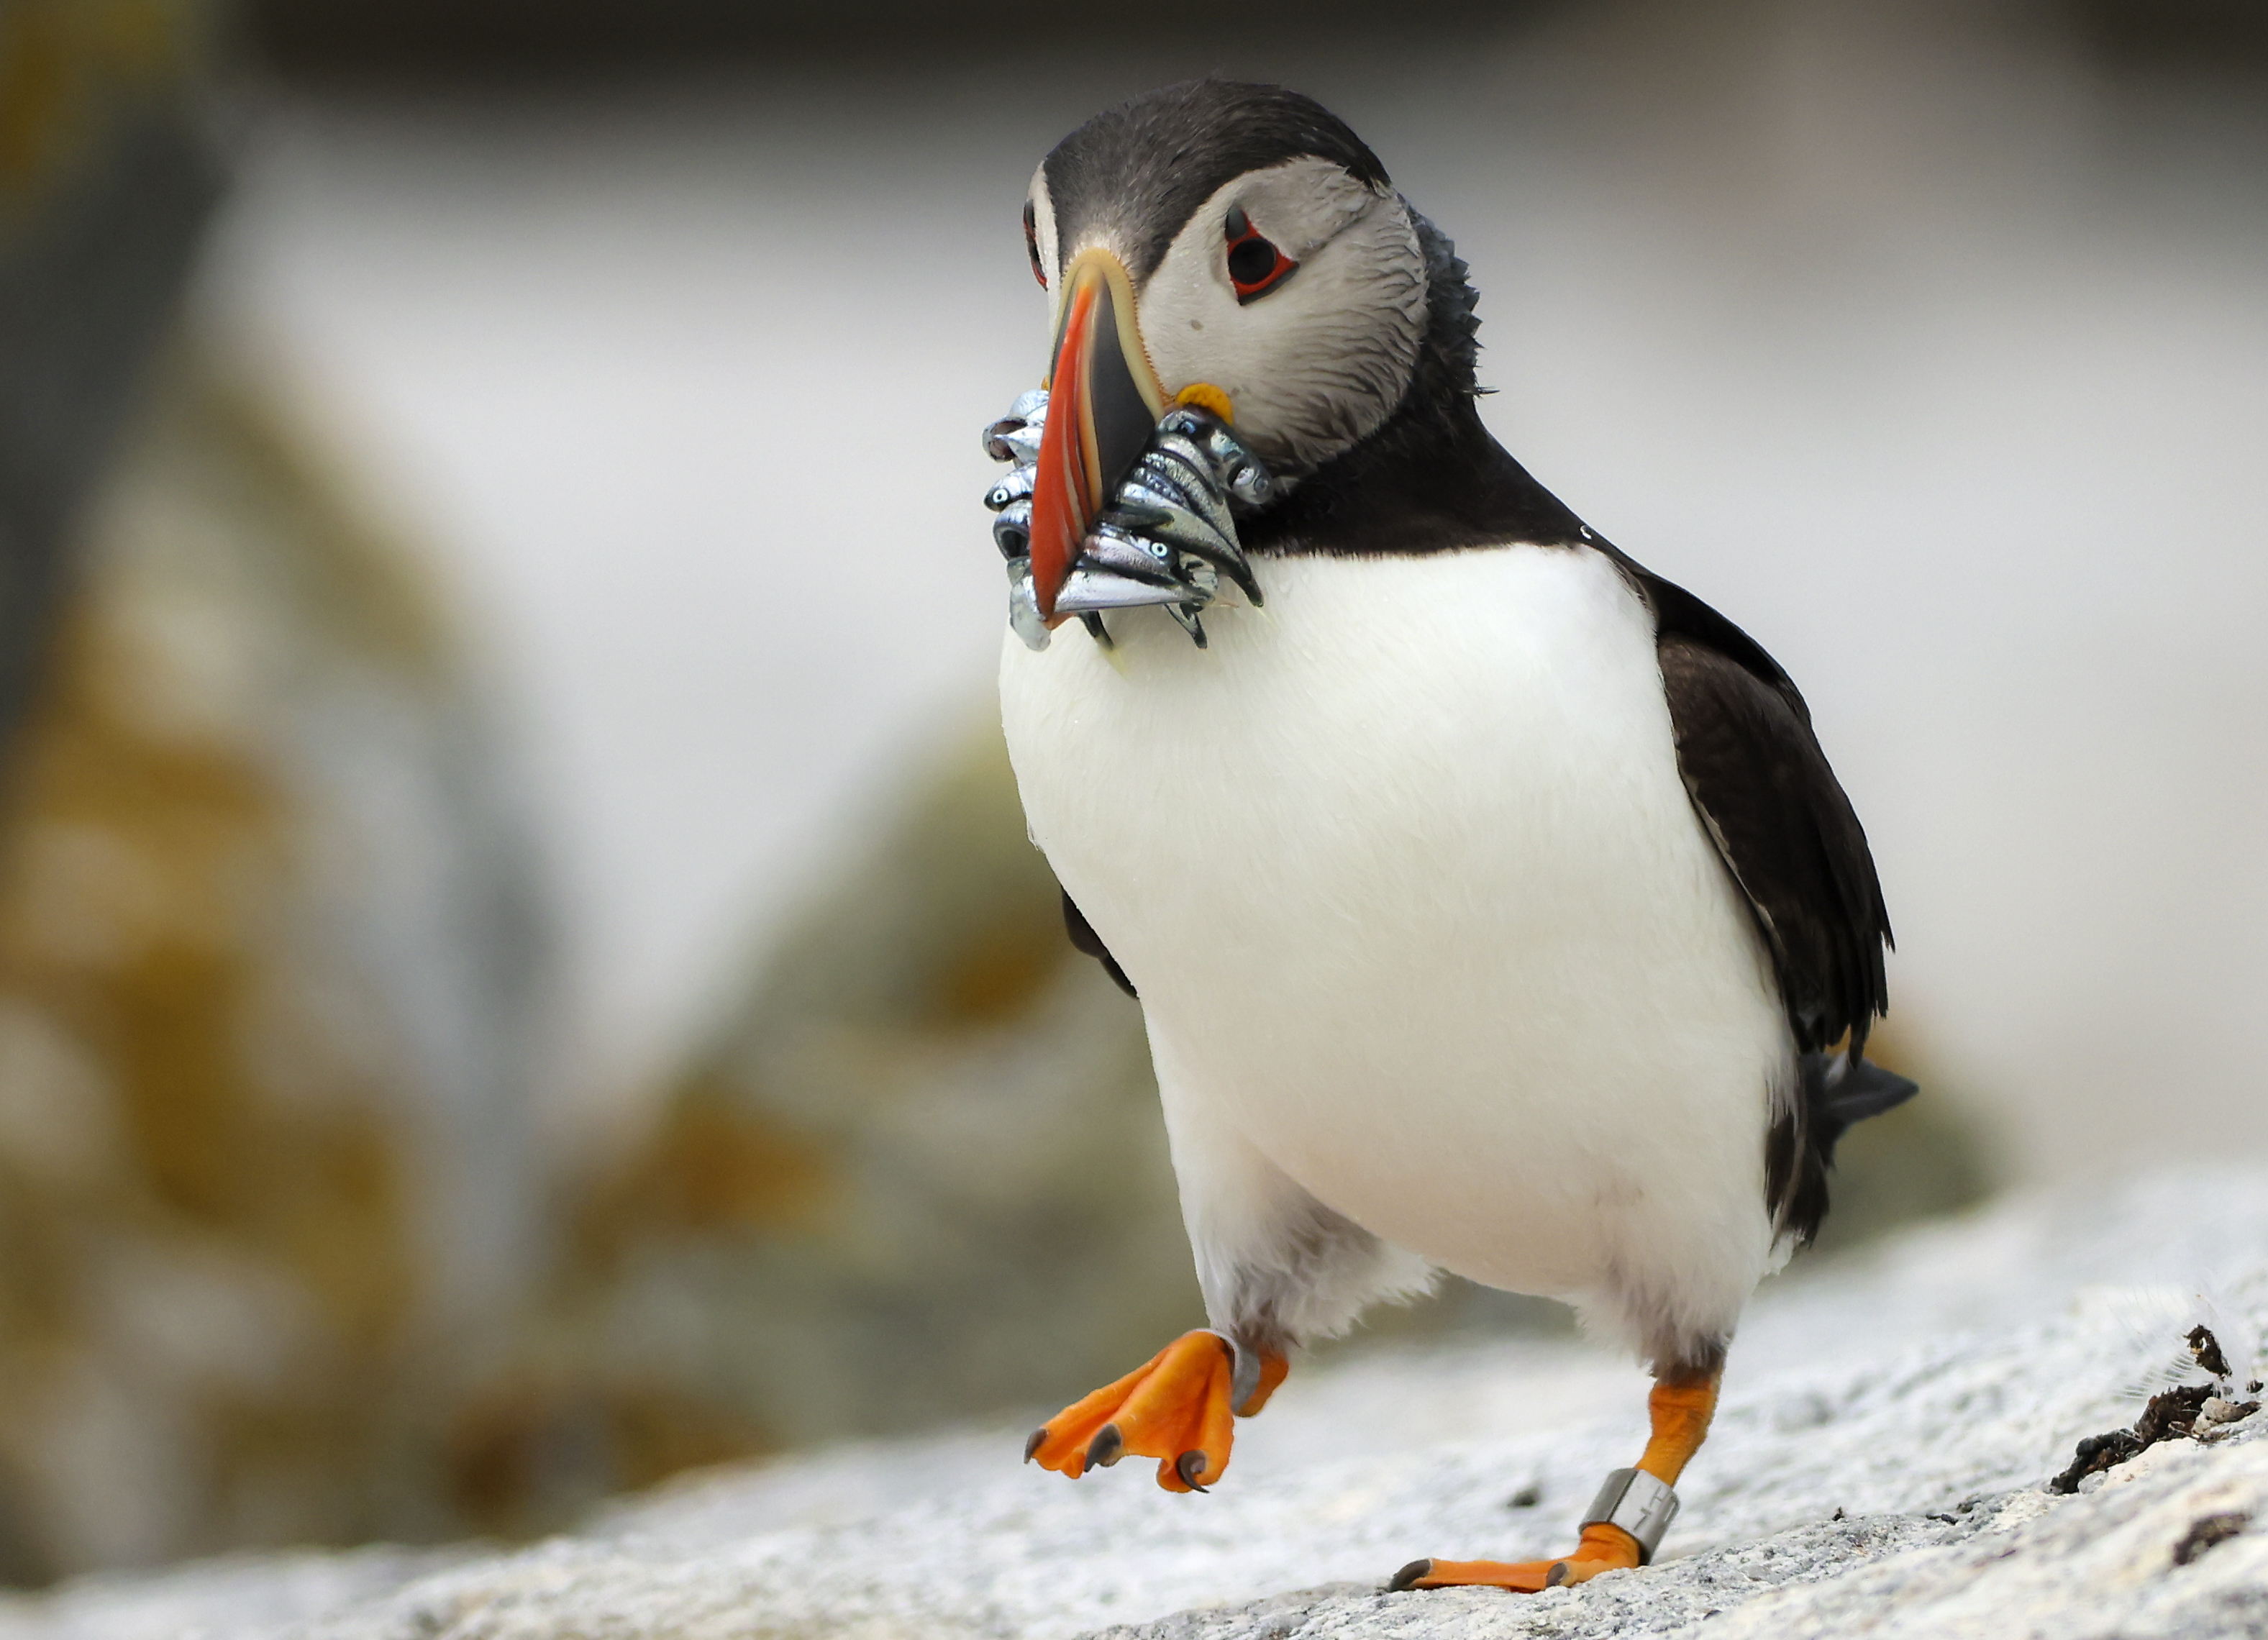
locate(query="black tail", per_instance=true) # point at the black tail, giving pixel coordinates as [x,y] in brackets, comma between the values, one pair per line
[1842,1091]
[1800,1149]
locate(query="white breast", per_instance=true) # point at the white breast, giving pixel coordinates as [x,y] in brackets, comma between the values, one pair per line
[1405,873]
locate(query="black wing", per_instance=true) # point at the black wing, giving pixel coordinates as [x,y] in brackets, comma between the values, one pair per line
[1787,831]
[1762,785]
[1084,937]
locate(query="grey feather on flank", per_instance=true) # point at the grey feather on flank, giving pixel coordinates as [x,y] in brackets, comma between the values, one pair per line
[1325,1269]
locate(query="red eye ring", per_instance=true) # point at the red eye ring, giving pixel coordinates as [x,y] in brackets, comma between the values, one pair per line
[1256,266]
[1032,243]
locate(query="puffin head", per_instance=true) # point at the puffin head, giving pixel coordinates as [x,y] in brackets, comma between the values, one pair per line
[1229,246]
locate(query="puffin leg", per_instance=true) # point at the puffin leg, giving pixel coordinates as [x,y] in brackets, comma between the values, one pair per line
[1176,1409]
[1683,1401]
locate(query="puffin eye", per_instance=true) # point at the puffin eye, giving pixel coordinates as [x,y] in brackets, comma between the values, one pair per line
[1256,266]
[1031,243]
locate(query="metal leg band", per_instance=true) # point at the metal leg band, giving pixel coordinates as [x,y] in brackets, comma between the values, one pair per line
[1640,1504]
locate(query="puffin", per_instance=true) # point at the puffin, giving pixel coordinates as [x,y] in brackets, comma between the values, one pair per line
[1490,904]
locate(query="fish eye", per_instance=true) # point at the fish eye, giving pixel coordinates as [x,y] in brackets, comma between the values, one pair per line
[1256,266]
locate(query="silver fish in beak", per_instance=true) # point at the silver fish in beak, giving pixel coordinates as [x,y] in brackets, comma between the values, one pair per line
[1165,534]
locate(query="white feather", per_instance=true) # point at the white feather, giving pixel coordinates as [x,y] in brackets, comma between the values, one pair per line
[1422,916]
[2154,1324]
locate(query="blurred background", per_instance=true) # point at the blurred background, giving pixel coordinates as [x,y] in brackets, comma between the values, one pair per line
[519,969]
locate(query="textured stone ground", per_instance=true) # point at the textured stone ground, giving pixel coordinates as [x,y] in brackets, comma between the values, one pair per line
[1878,1468]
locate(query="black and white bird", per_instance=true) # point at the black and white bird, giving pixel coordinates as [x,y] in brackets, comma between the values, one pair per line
[1492,905]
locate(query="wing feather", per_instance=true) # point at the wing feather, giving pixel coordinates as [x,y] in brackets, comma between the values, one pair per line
[1784,828]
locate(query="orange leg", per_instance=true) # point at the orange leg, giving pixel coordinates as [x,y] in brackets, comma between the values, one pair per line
[1681,1406]
[1176,1410]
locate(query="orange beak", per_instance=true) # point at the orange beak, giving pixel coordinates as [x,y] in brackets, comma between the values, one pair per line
[1104,401]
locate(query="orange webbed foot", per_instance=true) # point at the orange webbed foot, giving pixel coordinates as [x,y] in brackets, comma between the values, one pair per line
[1177,1409]
[1633,1502]
[1603,1548]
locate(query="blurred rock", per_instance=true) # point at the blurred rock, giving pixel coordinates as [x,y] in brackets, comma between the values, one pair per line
[106,178]
[921,1173]
[267,975]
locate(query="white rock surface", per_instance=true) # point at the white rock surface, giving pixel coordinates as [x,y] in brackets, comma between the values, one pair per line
[1924,1391]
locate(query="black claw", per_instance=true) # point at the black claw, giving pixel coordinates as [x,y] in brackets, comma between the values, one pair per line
[1409,1574]
[1557,1576]
[1107,1446]
[1038,1438]
[1189,1466]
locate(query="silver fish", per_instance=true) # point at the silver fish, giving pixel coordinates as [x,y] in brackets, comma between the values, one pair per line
[1024,617]
[1015,437]
[1167,537]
